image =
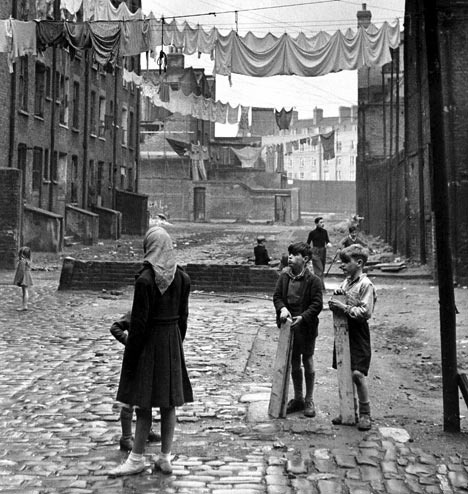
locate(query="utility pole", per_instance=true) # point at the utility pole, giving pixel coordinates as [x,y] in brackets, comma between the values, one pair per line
[439,166]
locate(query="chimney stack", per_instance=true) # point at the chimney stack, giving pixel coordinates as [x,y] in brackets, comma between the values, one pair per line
[364,17]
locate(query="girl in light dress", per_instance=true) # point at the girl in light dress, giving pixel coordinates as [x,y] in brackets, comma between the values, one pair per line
[23,275]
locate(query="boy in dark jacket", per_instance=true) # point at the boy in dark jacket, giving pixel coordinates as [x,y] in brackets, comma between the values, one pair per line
[119,331]
[298,296]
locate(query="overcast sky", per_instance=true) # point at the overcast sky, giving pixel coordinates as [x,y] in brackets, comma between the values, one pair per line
[304,94]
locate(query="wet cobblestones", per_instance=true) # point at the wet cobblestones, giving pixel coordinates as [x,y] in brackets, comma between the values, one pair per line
[59,424]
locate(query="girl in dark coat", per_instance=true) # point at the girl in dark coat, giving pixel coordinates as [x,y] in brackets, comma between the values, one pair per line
[153,368]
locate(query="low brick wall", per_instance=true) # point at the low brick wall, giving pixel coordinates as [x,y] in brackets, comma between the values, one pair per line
[96,275]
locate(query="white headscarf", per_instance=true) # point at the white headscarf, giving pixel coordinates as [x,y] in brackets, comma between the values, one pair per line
[159,252]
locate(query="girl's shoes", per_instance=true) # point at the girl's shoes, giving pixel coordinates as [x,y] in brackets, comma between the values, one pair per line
[128,468]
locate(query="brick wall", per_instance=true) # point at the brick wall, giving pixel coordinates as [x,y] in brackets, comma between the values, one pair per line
[327,196]
[134,209]
[5,93]
[10,216]
[96,275]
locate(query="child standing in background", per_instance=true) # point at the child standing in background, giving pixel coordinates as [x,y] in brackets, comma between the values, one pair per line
[23,275]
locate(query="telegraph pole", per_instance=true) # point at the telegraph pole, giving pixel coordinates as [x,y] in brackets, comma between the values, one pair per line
[439,166]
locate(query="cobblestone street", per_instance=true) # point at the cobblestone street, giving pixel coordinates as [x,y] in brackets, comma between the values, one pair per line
[59,427]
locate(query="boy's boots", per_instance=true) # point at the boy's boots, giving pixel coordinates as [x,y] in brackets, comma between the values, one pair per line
[364,423]
[309,407]
[297,403]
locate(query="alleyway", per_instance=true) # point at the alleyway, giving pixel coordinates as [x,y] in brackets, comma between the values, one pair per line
[60,429]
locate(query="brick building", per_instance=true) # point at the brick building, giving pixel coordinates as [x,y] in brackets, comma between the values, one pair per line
[394,154]
[453,32]
[71,128]
[381,175]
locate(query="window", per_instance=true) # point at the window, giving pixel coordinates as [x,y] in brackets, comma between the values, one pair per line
[102,116]
[130,179]
[37,169]
[48,82]
[352,144]
[351,161]
[76,105]
[131,130]
[301,175]
[63,99]
[100,173]
[39,93]
[22,159]
[23,83]
[53,168]
[74,179]
[314,164]
[302,163]
[23,10]
[92,114]
[124,126]
[338,145]
[46,167]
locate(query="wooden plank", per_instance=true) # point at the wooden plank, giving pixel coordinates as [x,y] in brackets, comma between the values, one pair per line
[281,371]
[463,385]
[343,366]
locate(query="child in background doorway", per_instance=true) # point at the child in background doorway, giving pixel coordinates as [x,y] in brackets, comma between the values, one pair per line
[298,296]
[119,331]
[23,275]
[358,308]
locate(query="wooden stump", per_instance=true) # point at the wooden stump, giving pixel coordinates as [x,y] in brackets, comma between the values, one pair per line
[281,371]
[343,366]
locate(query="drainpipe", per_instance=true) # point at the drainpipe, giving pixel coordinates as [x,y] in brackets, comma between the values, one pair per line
[12,131]
[420,151]
[114,135]
[53,111]
[84,192]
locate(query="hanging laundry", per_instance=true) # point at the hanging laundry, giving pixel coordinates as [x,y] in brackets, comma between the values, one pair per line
[78,37]
[314,140]
[295,145]
[105,39]
[248,156]
[232,114]
[71,6]
[103,10]
[50,33]
[283,118]
[179,147]
[265,57]
[164,92]
[289,148]
[134,38]
[221,112]
[44,9]
[6,36]
[24,40]
[244,122]
[328,145]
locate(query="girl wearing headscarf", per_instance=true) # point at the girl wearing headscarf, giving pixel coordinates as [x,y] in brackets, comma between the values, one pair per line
[153,368]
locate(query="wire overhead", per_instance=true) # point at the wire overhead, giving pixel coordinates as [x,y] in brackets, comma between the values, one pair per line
[254,9]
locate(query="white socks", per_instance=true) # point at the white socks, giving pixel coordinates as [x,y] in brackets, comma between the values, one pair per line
[165,456]
[135,458]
